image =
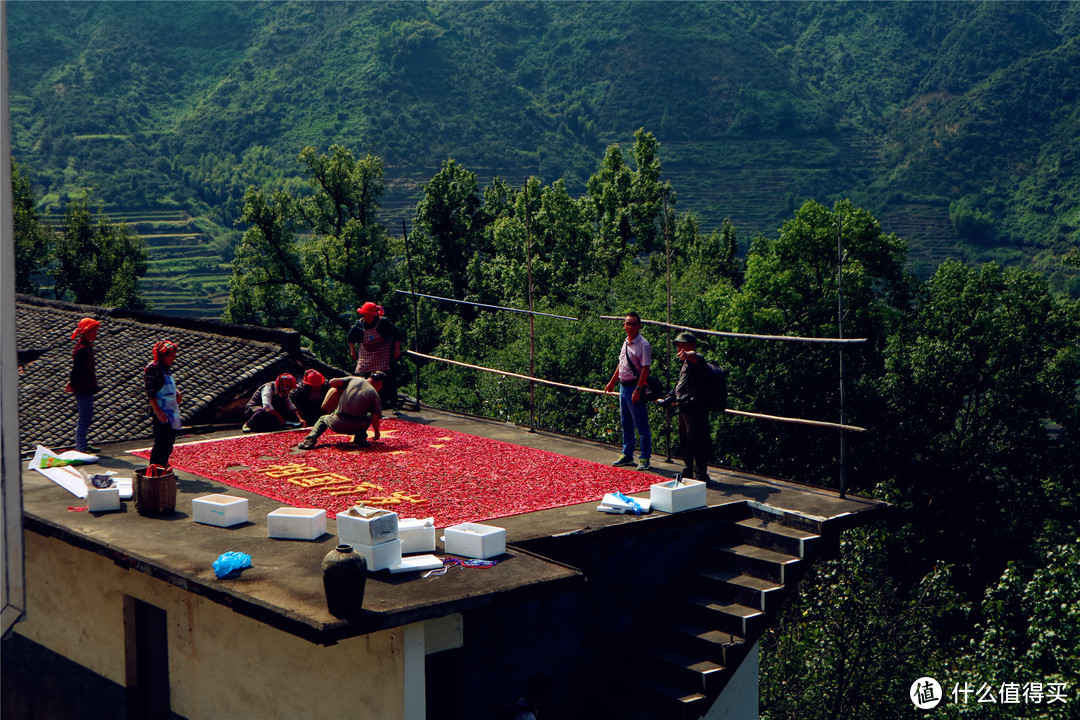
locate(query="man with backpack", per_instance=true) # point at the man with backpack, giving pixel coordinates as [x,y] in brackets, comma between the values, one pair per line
[693,396]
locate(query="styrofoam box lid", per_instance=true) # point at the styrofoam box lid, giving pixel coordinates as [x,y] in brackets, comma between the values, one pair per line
[475,529]
[221,499]
[366,514]
[298,512]
[673,485]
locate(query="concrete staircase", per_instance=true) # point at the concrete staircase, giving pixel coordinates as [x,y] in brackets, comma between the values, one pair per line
[716,609]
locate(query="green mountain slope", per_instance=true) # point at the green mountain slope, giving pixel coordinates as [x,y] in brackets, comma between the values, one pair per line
[928,114]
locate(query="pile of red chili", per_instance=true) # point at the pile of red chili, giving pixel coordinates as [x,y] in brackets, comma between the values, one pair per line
[415,470]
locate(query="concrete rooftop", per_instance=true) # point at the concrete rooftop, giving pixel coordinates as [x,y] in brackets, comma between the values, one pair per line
[283,588]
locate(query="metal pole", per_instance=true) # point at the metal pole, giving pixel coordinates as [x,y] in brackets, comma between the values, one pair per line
[416,318]
[667,254]
[840,334]
[532,356]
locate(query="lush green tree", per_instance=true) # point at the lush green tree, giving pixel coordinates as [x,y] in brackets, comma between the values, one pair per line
[977,439]
[987,360]
[549,235]
[448,230]
[792,286]
[625,206]
[33,239]
[98,263]
[852,639]
[1028,637]
[308,259]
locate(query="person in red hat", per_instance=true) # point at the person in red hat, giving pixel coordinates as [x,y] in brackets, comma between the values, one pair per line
[270,407]
[374,343]
[83,379]
[163,400]
[308,397]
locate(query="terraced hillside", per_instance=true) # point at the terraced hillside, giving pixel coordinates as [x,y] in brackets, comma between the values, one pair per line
[186,275]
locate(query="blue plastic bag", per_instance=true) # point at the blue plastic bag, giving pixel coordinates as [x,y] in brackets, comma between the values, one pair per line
[230,562]
[631,502]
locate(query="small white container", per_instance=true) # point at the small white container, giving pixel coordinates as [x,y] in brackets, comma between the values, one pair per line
[417,562]
[220,510]
[416,535]
[367,526]
[289,523]
[379,557]
[103,499]
[474,540]
[675,496]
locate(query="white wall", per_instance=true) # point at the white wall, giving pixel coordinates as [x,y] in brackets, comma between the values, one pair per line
[739,701]
[221,664]
[11,542]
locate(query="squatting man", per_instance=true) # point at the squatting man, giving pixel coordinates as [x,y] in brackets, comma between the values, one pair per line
[358,408]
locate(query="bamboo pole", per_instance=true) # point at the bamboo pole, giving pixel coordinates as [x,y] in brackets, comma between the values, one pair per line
[514,375]
[748,336]
[552,383]
[483,305]
[798,421]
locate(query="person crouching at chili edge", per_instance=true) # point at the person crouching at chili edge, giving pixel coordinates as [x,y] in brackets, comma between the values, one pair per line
[308,398]
[270,407]
[358,409]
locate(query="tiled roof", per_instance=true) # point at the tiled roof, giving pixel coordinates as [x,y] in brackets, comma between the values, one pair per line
[217,369]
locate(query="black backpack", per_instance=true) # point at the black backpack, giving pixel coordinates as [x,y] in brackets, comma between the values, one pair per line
[716,388]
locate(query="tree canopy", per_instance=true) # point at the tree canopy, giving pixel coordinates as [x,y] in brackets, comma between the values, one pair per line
[308,259]
[952,123]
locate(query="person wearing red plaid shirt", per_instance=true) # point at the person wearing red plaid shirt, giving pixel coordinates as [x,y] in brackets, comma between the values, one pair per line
[374,343]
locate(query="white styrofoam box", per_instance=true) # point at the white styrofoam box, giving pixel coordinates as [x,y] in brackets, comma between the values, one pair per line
[417,562]
[367,526]
[289,523]
[475,540]
[416,535]
[103,499]
[675,496]
[126,486]
[220,510]
[379,557]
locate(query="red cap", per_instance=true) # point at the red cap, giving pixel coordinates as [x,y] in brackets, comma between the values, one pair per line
[87,324]
[285,381]
[162,347]
[314,378]
[370,308]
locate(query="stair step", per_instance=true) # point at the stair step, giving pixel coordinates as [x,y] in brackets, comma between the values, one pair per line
[727,616]
[721,647]
[740,587]
[705,674]
[675,702]
[771,533]
[759,562]
[787,518]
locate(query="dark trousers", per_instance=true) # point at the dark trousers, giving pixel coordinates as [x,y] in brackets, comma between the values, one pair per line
[260,420]
[694,443]
[357,427]
[164,437]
